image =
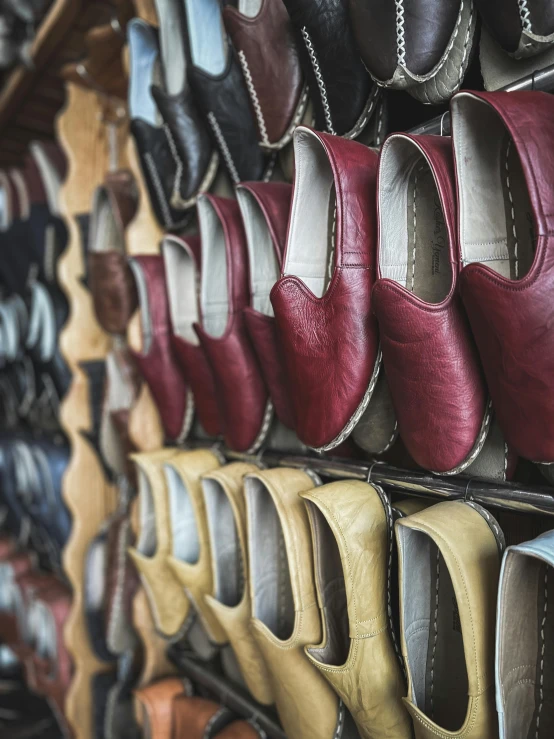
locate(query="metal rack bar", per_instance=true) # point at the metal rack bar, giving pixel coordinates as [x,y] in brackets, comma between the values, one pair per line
[542,79]
[506,495]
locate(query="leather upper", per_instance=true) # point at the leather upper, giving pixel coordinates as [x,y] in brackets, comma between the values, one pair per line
[224,102]
[365,670]
[340,86]
[192,144]
[430,359]
[307,705]
[470,551]
[110,280]
[242,398]
[522,29]
[239,730]
[267,53]
[168,602]
[274,200]
[511,319]
[154,704]
[198,718]
[330,343]
[157,362]
[234,617]
[196,577]
[191,355]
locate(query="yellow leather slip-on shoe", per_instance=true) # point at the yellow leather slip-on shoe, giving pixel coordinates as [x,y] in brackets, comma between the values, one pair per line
[190,556]
[449,565]
[285,612]
[168,602]
[231,605]
[352,532]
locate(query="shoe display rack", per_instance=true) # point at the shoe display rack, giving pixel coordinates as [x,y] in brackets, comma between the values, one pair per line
[140,451]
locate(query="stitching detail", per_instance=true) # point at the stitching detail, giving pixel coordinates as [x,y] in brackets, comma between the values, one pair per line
[365,115]
[187,420]
[254,98]
[378,140]
[435,626]
[212,721]
[524,14]
[400,33]
[224,148]
[466,44]
[513,215]
[260,438]
[271,166]
[478,445]
[176,158]
[338,731]
[347,430]
[158,187]
[505,461]
[319,79]
[543,645]
[391,440]
[415,231]
[493,525]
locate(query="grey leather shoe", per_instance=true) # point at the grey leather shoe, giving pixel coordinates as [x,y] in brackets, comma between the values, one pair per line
[525,640]
[523,28]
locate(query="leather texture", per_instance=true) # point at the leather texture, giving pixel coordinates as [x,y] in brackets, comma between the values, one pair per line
[510,319]
[193,146]
[430,359]
[192,357]
[239,730]
[274,201]
[267,52]
[470,552]
[523,639]
[155,704]
[168,602]
[307,705]
[198,718]
[330,343]
[158,364]
[235,619]
[241,394]
[223,100]
[159,170]
[110,281]
[403,50]
[341,89]
[369,680]
[196,578]
[521,29]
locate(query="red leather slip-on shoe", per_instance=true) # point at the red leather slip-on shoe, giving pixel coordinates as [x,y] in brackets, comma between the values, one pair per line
[322,303]
[265,213]
[243,401]
[504,153]
[431,362]
[157,361]
[182,266]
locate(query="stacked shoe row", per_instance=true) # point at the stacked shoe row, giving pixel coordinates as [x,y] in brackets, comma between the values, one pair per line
[35,599]
[350,615]
[381,296]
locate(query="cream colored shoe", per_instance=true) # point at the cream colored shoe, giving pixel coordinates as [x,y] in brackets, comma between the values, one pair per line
[449,562]
[231,605]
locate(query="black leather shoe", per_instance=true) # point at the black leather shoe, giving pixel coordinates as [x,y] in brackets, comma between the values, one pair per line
[156,149]
[522,29]
[421,46]
[216,78]
[341,89]
[184,123]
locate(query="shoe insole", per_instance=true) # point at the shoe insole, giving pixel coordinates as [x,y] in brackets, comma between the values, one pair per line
[228,567]
[250,8]
[214,297]
[263,263]
[181,288]
[414,249]
[144,58]
[272,601]
[207,38]
[184,530]
[432,631]
[496,224]
[332,591]
[172,44]
[311,242]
